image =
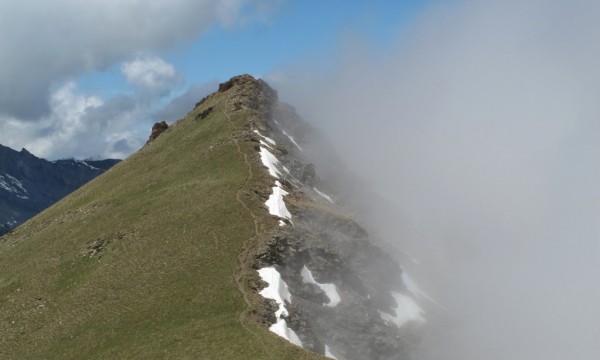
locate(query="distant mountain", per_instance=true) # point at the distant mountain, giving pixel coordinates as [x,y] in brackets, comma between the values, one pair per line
[29,184]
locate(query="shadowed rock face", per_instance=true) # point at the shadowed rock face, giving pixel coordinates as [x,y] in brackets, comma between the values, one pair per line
[157,129]
[29,184]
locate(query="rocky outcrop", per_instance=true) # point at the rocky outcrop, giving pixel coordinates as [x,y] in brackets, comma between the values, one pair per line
[322,247]
[157,129]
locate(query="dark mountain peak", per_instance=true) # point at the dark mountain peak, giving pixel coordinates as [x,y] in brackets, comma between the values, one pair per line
[243,80]
[29,184]
[249,92]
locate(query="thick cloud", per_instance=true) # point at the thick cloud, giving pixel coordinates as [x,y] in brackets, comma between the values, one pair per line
[44,43]
[78,126]
[482,125]
[84,126]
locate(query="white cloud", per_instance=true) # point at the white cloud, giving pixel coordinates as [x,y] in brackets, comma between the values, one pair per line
[85,126]
[483,125]
[150,74]
[46,42]
[45,45]
[78,126]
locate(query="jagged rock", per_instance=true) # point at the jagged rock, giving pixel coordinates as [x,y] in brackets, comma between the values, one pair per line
[157,129]
[251,93]
[335,248]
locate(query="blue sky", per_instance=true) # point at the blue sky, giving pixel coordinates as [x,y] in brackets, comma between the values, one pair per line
[89,79]
[300,29]
[296,30]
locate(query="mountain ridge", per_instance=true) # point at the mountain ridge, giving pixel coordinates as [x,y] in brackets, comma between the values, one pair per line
[162,256]
[29,184]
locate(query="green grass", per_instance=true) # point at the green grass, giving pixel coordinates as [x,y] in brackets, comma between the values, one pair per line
[163,285]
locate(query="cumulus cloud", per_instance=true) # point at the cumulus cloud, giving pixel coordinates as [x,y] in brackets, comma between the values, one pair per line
[78,126]
[482,126]
[45,43]
[151,75]
[87,126]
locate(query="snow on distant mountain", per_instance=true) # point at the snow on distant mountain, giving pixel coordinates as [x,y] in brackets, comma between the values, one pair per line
[29,184]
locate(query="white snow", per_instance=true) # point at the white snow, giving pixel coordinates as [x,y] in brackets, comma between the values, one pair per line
[17,183]
[328,353]
[270,161]
[276,204]
[292,140]
[278,291]
[413,288]
[323,195]
[407,310]
[86,164]
[266,138]
[329,289]
[4,185]
[280,328]
[13,185]
[265,144]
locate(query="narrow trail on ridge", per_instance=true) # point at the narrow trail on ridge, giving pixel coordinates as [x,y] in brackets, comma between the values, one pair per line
[243,255]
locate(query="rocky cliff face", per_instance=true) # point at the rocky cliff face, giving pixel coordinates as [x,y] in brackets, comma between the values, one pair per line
[29,184]
[328,287]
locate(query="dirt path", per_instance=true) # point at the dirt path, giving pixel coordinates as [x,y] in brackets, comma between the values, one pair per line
[244,254]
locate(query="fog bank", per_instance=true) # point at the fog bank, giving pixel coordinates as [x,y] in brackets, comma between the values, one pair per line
[482,126]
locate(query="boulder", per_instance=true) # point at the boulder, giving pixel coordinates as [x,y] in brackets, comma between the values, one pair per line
[157,129]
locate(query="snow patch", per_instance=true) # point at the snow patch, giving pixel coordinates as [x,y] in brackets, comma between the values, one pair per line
[280,328]
[86,164]
[270,161]
[292,140]
[278,290]
[276,204]
[323,195]
[266,138]
[265,144]
[407,310]
[413,288]
[328,353]
[329,289]
[13,185]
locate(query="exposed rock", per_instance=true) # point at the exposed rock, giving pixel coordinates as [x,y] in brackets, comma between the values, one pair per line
[336,249]
[157,129]
[251,93]
[204,113]
[100,244]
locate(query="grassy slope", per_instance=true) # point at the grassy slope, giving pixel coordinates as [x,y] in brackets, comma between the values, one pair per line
[163,285]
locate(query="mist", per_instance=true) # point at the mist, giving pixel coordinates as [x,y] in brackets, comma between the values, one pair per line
[482,126]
